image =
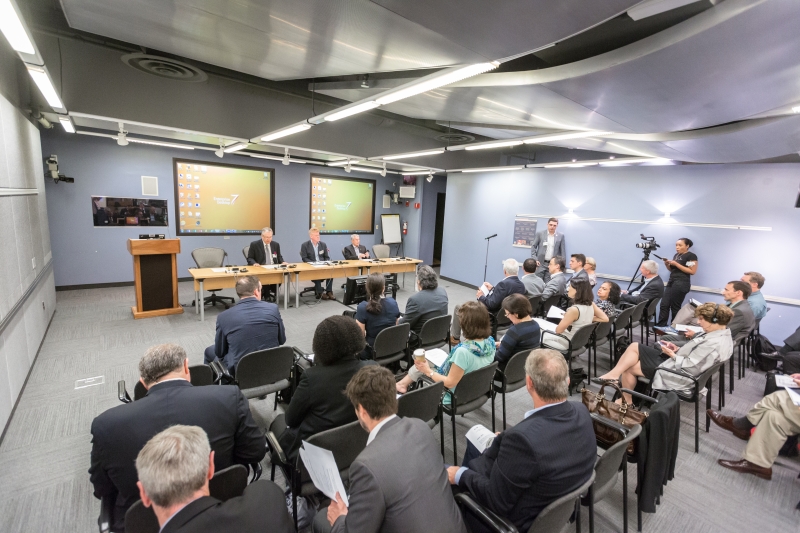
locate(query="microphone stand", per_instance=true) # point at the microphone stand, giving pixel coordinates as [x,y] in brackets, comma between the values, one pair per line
[486,262]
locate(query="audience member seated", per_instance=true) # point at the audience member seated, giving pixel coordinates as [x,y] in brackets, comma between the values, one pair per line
[428,302]
[376,313]
[608,296]
[558,281]
[590,267]
[576,262]
[495,295]
[775,418]
[534,285]
[743,321]
[249,326]
[120,432]
[651,287]
[174,469]
[756,300]
[583,312]
[549,454]
[356,250]
[714,345]
[524,334]
[318,402]
[314,251]
[475,352]
[398,482]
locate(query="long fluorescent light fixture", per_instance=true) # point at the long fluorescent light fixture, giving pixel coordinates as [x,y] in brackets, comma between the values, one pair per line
[418,173]
[235,148]
[412,154]
[491,169]
[649,8]
[366,106]
[619,162]
[341,163]
[451,76]
[493,145]
[69,127]
[371,170]
[42,80]
[286,131]
[796,109]
[564,136]
[12,28]
[278,158]
[160,143]
[570,165]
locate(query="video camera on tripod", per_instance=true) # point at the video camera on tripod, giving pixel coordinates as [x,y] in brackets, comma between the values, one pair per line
[649,244]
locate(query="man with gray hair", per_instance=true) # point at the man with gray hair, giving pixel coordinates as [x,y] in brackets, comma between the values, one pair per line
[265,251]
[120,432]
[356,250]
[428,302]
[492,296]
[652,285]
[525,468]
[174,469]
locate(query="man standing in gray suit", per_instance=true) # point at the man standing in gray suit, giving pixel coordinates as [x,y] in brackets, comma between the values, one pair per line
[398,483]
[428,302]
[546,245]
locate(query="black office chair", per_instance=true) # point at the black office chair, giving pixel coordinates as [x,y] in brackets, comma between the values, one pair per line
[212,258]
[199,375]
[435,332]
[637,319]
[471,393]
[535,301]
[391,344]
[600,336]
[423,403]
[246,252]
[265,372]
[550,302]
[575,346]
[553,519]
[650,318]
[510,379]
[740,353]
[619,330]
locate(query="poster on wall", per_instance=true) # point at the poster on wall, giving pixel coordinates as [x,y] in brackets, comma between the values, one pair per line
[108,211]
[524,232]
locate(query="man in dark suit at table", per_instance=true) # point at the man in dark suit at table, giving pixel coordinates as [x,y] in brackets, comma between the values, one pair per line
[174,469]
[546,245]
[249,326]
[120,432]
[525,468]
[265,251]
[652,285]
[314,250]
[356,250]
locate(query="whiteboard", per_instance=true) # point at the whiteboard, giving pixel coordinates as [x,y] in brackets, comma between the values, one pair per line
[390,224]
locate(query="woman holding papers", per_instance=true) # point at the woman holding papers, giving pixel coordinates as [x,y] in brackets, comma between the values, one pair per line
[524,334]
[682,267]
[476,352]
[608,299]
[582,313]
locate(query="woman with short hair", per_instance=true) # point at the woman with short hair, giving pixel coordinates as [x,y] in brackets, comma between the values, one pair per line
[524,334]
[590,266]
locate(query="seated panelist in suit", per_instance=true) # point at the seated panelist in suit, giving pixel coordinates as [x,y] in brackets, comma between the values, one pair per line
[398,482]
[314,250]
[652,285]
[526,467]
[428,302]
[174,469]
[249,326]
[265,251]
[356,250]
[119,433]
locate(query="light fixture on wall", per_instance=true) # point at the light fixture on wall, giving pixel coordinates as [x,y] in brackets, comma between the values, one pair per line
[235,147]
[122,136]
[285,159]
[221,152]
[66,122]
[347,167]
[383,170]
[429,178]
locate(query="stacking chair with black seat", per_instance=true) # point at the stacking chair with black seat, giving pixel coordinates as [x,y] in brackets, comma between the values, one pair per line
[547,304]
[265,372]
[535,301]
[391,344]
[575,347]
[553,519]
[435,332]
[637,319]
[470,394]
[345,442]
[510,379]
[619,330]
[199,375]
[607,470]
[423,403]
[600,336]
[499,322]
[650,318]
[212,258]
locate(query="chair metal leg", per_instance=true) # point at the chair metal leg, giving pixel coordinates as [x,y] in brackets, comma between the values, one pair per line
[591,509]
[625,494]
[721,399]
[504,410]
[710,386]
[441,429]
[492,393]
[272,474]
[731,376]
[455,448]
[696,424]
[578,515]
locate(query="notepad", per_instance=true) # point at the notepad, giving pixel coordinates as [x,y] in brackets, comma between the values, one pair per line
[782,380]
[484,290]
[436,356]
[545,325]
[555,312]
[681,327]
[218,270]
[480,437]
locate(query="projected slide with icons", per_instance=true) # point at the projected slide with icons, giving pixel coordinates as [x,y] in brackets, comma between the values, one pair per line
[213,198]
[342,205]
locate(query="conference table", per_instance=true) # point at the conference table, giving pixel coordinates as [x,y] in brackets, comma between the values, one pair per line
[206,279]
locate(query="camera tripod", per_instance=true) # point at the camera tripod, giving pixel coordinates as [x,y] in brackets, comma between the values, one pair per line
[636,272]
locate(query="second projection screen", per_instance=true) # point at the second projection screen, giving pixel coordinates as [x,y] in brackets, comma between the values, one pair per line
[342,205]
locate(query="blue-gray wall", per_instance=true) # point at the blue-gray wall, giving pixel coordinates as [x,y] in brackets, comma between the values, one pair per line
[85,255]
[750,195]
[430,192]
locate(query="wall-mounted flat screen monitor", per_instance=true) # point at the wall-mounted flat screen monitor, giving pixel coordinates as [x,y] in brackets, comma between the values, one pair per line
[111,211]
[216,198]
[342,205]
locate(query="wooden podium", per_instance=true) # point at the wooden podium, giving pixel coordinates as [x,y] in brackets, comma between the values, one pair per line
[155,273]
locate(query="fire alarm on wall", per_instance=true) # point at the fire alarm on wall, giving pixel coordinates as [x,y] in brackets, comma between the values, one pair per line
[416,205]
[408,203]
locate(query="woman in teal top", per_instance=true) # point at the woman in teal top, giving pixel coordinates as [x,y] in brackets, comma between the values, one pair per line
[476,352]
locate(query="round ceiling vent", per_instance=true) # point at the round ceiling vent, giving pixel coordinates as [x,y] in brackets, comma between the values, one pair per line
[164,67]
[455,138]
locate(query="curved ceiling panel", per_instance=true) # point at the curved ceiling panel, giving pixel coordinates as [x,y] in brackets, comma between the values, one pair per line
[502,29]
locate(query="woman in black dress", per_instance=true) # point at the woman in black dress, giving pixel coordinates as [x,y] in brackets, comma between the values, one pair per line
[682,267]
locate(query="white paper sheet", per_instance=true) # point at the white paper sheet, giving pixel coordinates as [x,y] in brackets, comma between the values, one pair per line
[682,327]
[545,325]
[555,312]
[219,270]
[794,396]
[480,437]
[437,356]
[324,473]
[782,380]
[484,290]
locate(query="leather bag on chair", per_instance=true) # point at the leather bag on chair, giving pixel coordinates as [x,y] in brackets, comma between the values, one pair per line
[624,414]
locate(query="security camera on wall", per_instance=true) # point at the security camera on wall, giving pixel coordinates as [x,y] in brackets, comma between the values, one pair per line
[52,170]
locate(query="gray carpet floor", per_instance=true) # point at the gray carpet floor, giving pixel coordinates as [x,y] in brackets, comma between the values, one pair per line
[44,457]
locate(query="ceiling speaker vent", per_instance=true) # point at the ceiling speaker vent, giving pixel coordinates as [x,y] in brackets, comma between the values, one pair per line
[164,67]
[455,138]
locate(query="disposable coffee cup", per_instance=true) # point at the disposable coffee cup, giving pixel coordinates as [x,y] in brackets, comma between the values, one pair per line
[419,355]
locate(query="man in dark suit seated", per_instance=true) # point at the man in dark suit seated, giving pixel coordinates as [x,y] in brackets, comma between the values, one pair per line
[398,482]
[576,262]
[314,250]
[356,250]
[652,285]
[249,326]
[120,432]
[526,467]
[266,252]
[428,302]
[174,468]
[494,295]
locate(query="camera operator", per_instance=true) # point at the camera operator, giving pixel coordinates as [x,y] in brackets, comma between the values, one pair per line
[681,268]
